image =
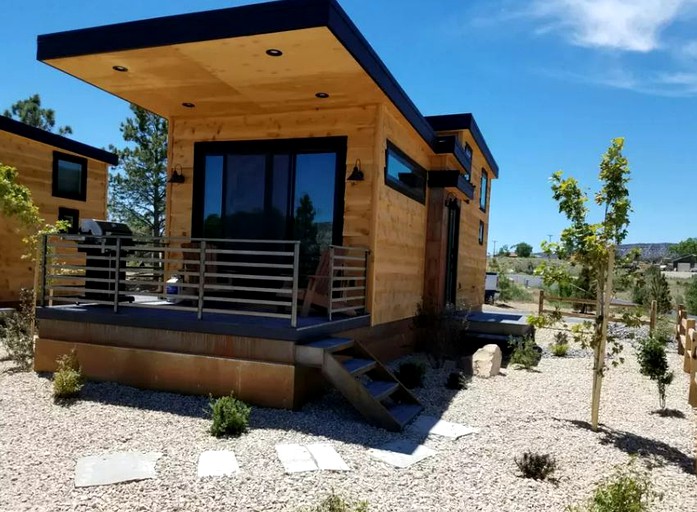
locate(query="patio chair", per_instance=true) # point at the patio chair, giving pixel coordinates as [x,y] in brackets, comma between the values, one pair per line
[192,263]
[317,292]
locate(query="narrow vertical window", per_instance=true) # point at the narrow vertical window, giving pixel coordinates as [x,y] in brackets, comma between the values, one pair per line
[483,190]
[481,233]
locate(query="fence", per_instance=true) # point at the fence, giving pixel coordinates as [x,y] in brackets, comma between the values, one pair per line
[234,277]
[686,337]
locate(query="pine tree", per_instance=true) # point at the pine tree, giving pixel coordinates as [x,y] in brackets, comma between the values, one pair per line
[29,112]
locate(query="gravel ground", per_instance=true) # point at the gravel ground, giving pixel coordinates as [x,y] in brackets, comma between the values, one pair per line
[545,410]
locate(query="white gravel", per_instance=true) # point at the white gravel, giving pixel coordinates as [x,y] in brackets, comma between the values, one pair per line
[542,411]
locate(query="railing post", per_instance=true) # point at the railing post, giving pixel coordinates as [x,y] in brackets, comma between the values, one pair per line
[331,282]
[44,263]
[117,273]
[296,273]
[201,277]
[365,280]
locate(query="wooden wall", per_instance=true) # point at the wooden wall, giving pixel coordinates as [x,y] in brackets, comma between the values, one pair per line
[34,161]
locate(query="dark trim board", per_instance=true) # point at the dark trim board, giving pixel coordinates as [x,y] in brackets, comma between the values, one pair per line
[450,144]
[440,179]
[57,141]
[211,323]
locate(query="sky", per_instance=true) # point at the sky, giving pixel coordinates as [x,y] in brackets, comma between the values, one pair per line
[550,83]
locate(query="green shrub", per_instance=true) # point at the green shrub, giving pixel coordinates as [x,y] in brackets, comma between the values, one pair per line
[525,353]
[665,329]
[537,466]
[654,364]
[411,373]
[626,491]
[560,347]
[67,381]
[457,380]
[335,503]
[691,296]
[230,416]
[17,332]
[652,285]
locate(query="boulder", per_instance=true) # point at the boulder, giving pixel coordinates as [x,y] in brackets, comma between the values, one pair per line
[486,362]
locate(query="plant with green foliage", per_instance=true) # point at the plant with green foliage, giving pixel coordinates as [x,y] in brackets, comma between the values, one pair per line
[685,247]
[17,332]
[457,381]
[626,491]
[508,289]
[653,363]
[525,353]
[592,246]
[652,285]
[67,381]
[230,416]
[560,347]
[537,466]
[29,112]
[336,503]
[691,296]
[411,373]
[523,250]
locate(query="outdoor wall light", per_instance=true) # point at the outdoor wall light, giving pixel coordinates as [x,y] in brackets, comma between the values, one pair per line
[274,52]
[120,69]
[357,173]
[187,104]
[177,176]
[322,95]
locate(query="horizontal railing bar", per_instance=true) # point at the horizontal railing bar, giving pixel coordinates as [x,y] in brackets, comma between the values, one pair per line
[349,258]
[350,248]
[178,284]
[347,299]
[144,283]
[355,269]
[349,288]
[246,313]
[67,236]
[227,287]
[349,308]
[248,253]
[249,301]
[82,256]
[80,300]
[349,278]
[164,296]
[82,246]
[173,307]
[154,260]
[248,265]
[261,278]
[81,277]
[76,267]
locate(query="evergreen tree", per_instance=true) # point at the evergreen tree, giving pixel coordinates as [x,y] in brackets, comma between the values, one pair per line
[138,188]
[306,232]
[29,112]
[653,286]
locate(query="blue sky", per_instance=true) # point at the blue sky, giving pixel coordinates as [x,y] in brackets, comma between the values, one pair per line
[550,83]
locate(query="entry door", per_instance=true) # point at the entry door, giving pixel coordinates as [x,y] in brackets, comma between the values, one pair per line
[452,249]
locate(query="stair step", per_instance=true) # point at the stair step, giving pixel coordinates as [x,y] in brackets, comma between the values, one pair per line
[380,389]
[331,344]
[358,366]
[404,413]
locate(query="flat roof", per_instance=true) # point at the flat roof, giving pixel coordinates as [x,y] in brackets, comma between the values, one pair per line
[57,141]
[174,57]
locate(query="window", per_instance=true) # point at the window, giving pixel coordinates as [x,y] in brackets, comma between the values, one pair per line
[481,233]
[404,175]
[69,176]
[72,216]
[483,189]
[468,151]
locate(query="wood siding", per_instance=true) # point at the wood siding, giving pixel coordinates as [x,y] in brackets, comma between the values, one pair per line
[34,161]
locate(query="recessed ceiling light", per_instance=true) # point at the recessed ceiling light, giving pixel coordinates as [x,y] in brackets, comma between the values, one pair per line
[322,95]
[188,105]
[273,52]
[120,69]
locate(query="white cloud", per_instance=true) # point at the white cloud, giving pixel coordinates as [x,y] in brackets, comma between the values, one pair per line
[628,25]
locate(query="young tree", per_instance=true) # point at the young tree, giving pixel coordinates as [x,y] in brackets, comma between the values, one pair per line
[592,246]
[650,286]
[653,363]
[29,111]
[523,250]
[138,188]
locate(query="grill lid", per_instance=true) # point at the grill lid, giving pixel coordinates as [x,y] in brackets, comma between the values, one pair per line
[96,227]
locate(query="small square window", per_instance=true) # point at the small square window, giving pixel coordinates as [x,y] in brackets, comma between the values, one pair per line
[483,189]
[481,233]
[404,175]
[72,216]
[69,176]
[468,151]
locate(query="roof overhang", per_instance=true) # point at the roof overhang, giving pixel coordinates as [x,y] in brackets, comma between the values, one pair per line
[217,61]
[57,141]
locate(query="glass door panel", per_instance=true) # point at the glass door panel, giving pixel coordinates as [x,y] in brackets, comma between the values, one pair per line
[244,196]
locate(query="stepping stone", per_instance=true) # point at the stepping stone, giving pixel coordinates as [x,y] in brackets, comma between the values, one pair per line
[402,453]
[297,458]
[115,468]
[217,463]
[435,426]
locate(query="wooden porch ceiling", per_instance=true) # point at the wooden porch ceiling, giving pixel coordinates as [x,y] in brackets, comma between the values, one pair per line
[233,76]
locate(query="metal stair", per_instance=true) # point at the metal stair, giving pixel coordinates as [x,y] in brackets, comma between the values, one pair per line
[365,382]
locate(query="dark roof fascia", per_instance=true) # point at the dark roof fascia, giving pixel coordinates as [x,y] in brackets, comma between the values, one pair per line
[57,141]
[248,20]
[440,179]
[450,144]
[453,122]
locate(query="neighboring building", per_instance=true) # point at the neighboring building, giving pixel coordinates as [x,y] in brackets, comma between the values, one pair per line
[685,263]
[271,106]
[67,181]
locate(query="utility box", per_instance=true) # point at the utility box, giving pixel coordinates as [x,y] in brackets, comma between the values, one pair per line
[491,287]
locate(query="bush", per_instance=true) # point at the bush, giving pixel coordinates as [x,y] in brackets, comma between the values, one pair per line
[525,353]
[654,364]
[457,380]
[691,296]
[665,329]
[626,491]
[67,381]
[17,333]
[560,347]
[652,285]
[230,416]
[536,465]
[411,373]
[335,503]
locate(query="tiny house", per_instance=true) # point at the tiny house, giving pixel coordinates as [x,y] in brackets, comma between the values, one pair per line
[311,208]
[67,180]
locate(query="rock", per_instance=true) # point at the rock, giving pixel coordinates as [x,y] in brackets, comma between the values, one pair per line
[486,362]
[465,364]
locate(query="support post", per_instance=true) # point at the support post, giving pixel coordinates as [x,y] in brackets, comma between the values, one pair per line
[201,277]
[678,329]
[296,273]
[603,312]
[652,318]
[689,346]
[44,262]
[117,274]
[541,305]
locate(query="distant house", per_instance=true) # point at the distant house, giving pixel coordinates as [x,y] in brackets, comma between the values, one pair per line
[67,180]
[685,263]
